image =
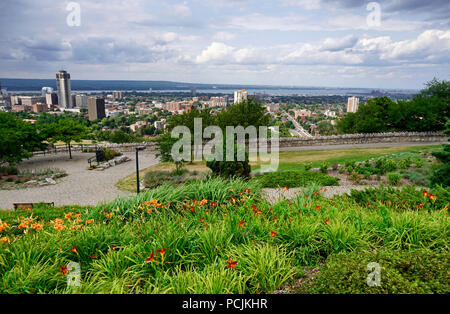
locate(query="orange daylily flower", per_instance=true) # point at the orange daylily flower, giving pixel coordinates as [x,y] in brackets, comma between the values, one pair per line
[231,264]
[89,221]
[214,204]
[37,226]
[151,258]
[273,233]
[327,221]
[63,270]
[4,240]
[3,226]
[286,188]
[68,215]
[242,223]
[73,249]
[59,227]
[109,215]
[317,207]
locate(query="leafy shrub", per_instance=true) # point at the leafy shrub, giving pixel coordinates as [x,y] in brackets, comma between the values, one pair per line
[368,171]
[335,166]
[307,165]
[419,271]
[419,176]
[111,154]
[350,169]
[230,169]
[5,171]
[323,167]
[293,179]
[418,163]
[9,180]
[388,165]
[341,170]
[393,178]
[355,178]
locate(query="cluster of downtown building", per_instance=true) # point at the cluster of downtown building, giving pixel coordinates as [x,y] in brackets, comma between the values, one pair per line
[62,99]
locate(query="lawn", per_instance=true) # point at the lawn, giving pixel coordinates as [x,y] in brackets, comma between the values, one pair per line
[221,236]
[290,160]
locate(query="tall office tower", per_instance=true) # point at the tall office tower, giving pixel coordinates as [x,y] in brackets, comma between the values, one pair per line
[240,96]
[63,85]
[193,91]
[46,90]
[352,104]
[96,108]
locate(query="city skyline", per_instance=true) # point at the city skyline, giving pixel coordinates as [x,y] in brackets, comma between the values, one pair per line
[282,43]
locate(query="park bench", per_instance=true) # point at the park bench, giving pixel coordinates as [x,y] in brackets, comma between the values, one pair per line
[30,205]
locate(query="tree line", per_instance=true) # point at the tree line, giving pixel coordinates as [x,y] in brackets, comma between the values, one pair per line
[427,111]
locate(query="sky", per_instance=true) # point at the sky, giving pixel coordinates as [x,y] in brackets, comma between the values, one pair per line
[336,43]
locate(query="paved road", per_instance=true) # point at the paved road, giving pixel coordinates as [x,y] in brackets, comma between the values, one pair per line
[297,125]
[81,186]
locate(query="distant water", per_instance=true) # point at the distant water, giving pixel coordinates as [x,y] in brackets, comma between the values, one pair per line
[87,86]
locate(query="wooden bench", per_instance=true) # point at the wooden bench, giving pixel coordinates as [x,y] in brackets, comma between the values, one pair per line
[29,205]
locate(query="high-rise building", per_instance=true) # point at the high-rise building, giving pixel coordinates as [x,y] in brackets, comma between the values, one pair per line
[63,85]
[240,96]
[352,104]
[81,101]
[46,90]
[96,108]
[117,95]
[51,99]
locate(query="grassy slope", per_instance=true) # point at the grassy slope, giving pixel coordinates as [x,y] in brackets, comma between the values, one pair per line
[290,160]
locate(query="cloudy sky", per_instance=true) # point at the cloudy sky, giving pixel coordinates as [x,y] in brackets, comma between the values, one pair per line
[284,42]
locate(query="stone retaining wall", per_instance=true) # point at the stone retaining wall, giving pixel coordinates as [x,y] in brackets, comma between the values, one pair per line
[406,137]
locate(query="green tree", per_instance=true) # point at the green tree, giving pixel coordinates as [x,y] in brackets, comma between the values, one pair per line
[67,131]
[246,113]
[18,139]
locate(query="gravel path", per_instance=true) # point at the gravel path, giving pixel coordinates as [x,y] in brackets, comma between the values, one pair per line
[81,186]
[274,195]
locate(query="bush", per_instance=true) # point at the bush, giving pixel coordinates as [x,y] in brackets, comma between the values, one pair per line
[111,154]
[341,170]
[355,178]
[231,169]
[292,179]
[419,271]
[9,180]
[350,169]
[394,178]
[5,171]
[307,166]
[418,163]
[324,167]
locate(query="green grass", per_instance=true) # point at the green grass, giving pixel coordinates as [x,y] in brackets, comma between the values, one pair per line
[292,179]
[269,244]
[295,160]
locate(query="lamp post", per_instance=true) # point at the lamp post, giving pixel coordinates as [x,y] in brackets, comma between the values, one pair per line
[138,148]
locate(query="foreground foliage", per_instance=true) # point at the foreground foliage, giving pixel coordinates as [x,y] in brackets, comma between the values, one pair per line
[221,236]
